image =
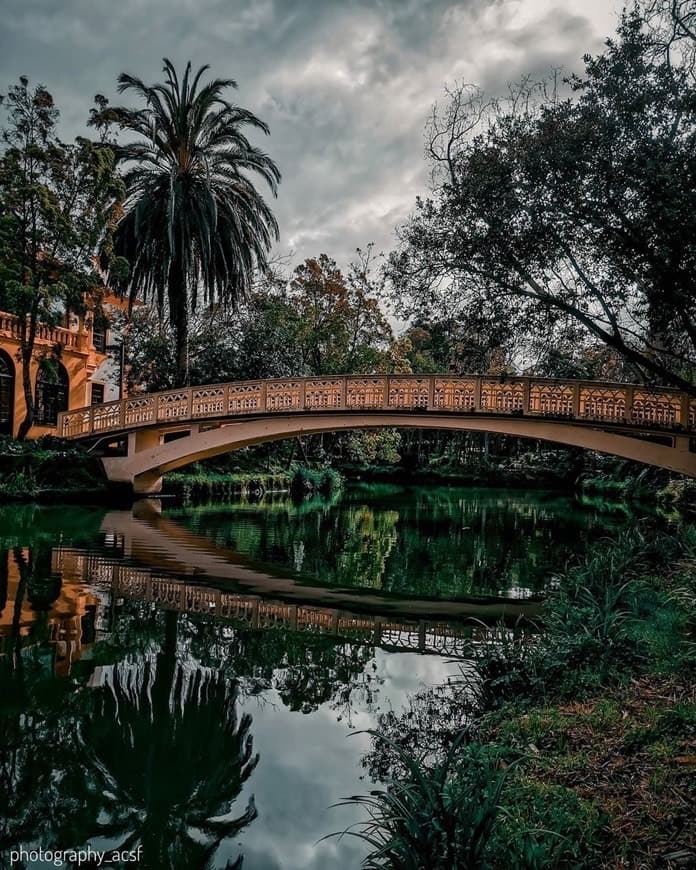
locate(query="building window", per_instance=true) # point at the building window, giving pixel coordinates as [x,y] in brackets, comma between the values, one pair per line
[52,387]
[97,394]
[99,338]
[7,387]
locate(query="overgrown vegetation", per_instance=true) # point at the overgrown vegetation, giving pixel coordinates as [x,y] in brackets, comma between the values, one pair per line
[48,468]
[202,483]
[592,717]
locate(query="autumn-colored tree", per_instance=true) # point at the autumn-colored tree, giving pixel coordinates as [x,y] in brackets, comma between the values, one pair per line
[342,328]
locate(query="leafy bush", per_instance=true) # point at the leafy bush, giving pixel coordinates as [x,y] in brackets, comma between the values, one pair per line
[306,481]
[440,816]
[30,468]
[608,618]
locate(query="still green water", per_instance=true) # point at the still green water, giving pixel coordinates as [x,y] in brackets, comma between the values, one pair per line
[184,682]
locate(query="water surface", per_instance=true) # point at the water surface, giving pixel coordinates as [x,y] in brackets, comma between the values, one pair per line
[194,681]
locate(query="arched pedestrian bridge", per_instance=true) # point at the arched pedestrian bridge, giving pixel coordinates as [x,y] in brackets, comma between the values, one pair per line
[165,431]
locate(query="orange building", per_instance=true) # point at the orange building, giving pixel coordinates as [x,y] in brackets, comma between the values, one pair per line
[70,619]
[79,376]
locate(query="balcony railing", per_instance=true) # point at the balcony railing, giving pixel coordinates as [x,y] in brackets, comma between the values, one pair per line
[584,401]
[10,325]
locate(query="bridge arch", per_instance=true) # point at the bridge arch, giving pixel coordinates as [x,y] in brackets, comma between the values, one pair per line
[149,458]
[168,430]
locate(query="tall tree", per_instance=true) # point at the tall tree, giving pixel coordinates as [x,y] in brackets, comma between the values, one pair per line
[581,207]
[57,205]
[193,221]
[342,328]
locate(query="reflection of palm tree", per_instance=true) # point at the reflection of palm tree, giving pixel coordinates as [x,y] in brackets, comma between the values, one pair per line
[168,757]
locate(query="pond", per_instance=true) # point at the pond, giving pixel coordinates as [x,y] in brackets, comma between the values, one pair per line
[196,681]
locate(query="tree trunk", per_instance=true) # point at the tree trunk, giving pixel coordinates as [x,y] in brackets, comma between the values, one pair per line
[27,351]
[28,420]
[178,307]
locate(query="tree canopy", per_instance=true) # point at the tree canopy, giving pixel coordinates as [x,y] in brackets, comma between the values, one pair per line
[193,220]
[570,210]
[58,203]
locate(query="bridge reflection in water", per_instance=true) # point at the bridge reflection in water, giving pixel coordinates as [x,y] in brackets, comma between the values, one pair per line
[390,633]
[165,564]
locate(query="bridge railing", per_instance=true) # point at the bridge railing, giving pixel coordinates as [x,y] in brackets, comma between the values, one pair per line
[417,635]
[606,402]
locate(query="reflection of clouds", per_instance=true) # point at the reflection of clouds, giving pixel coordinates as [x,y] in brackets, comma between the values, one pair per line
[406,673]
[306,765]
[309,762]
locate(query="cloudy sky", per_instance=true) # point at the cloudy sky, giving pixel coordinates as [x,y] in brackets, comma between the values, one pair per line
[345,85]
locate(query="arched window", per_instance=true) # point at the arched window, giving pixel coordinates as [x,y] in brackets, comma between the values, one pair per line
[52,386]
[7,388]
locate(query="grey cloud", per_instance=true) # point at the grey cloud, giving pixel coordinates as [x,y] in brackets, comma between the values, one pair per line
[345,86]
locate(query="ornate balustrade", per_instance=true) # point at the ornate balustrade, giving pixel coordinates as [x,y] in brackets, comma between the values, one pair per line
[11,326]
[588,401]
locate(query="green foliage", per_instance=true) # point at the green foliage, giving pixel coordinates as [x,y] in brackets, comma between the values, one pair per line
[379,446]
[605,621]
[72,193]
[465,807]
[440,816]
[317,321]
[671,725]
[545,826]
[572,217]
[340,326]
[306,481]
[32,469]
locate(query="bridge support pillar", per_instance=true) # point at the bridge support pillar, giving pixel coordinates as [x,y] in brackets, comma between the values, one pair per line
[148,483]
[141,439]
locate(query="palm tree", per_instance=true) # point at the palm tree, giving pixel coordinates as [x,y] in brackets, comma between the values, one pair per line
[193,221]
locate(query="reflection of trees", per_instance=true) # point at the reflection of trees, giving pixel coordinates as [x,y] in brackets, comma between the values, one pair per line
[167,757]
[344,546]
[427,727]
[428,541]
[156,756]
[37,747]
[368,537]
[306,670]
[32,524]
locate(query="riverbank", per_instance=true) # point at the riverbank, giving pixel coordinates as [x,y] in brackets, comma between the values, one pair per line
[618,480]
[587,729]
[298,480]
[49,470]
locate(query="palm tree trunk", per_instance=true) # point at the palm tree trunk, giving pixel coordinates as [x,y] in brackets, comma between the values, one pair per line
[178,306]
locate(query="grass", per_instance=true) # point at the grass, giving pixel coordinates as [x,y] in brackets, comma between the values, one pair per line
[439,816]
[200,484]
[629,754]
